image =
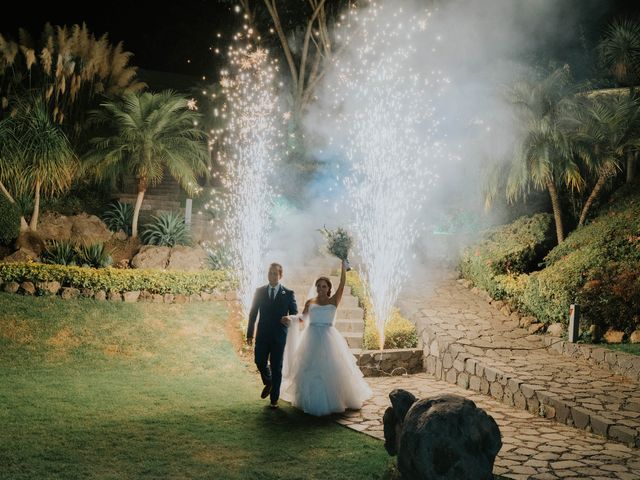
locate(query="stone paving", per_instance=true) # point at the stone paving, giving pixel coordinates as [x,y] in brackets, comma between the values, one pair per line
[560,417]
[532,447]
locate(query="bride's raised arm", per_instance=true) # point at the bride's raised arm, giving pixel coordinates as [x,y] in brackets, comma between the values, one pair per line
[343,279]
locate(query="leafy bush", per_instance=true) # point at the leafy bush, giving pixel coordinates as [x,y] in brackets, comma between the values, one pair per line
[167,230]
[9,221]
[219,258]
[95,255]
[510,249]
[60,252]
[118,280]
[119,216]
[398,331]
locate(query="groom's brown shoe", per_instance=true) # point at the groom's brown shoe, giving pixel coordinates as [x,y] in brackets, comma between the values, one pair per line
[266,391]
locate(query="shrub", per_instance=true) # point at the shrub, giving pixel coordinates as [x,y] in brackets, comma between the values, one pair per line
[9,221]
[219,258]
[508,250]
[398,331]
[95,255]
[60,252]
[167,230]
[118,280]
[119,216]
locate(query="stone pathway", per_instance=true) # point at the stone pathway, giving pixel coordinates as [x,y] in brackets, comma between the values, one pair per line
[532,447]
[560,417]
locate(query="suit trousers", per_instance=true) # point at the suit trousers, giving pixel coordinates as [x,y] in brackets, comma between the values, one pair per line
[271,351]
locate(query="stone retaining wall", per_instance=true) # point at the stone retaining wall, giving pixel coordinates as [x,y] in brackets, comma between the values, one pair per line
[401,361]
[67,293]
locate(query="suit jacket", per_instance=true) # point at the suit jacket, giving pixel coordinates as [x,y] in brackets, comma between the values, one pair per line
[271,311]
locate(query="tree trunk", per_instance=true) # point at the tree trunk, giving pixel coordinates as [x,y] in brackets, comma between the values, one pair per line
[24,226]
[36,208]
[602,179]
[557,213]
[136,213]
[631,166]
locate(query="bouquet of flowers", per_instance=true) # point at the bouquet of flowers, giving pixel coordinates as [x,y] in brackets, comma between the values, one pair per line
[338,243]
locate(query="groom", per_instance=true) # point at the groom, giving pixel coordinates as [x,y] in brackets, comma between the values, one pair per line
[273,302]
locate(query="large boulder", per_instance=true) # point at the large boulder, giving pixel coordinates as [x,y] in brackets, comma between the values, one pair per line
[443,437]
[188,259]
[31,243]
[151,256]
[87,229]
[20,256]
[54,226]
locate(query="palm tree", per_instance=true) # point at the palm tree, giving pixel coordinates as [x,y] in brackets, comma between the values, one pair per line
[40,153]
[606,129]
[620,53]
[544,156]
[9,166]
[146,133]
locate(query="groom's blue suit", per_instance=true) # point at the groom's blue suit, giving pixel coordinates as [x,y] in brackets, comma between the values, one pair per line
[272,334]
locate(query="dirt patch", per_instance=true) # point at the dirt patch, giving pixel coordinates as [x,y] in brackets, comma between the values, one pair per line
[65,339]
[16,331]
[123,249]
[233,331]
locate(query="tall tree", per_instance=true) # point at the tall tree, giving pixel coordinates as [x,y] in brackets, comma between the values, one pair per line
[544,155]
[39,153]
[620,54]
[606,130]
[147,133]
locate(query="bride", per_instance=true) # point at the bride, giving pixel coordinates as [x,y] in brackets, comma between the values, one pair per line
[320,374]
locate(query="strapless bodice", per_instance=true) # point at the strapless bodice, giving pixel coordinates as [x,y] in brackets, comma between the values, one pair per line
[322,315]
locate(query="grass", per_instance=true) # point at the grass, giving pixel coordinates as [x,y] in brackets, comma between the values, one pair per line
[632,348]
[125,391]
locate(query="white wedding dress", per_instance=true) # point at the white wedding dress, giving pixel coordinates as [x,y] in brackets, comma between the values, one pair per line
[320,374]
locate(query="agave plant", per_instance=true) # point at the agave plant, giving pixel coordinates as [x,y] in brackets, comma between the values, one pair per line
[219,258]
[168,230]
[60,252]
[118,217]
[94,255]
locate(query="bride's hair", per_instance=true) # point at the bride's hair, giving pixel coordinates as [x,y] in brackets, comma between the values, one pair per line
[325,279]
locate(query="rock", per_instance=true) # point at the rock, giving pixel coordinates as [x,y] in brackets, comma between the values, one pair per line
[54,226]
[131,297]
[635,337]
[88,229]
[11,287]
[613,336]
[441,437]
[556,329]
[100,295]
[69,293]
[114,296]
[179,298]
[151,256]
[48,288]
[157,298]
[145,296]
[20,256]
[536,328]
[187,259]
[526,321]
[120,235]
[122,264]
[28,288]
[87,293]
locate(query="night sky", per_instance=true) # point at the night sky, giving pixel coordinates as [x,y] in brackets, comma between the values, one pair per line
[176,36]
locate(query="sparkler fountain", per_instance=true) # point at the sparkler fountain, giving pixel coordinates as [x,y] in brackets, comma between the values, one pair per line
[386,114]
[248,149]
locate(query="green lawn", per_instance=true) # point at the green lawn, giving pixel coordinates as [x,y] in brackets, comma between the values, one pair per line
[632,348]
[124,391]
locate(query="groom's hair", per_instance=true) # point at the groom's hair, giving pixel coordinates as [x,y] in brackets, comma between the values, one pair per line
[277,266]
[325,279]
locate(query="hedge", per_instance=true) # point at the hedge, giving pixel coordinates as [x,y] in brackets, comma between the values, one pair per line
[117,280]
[508,250]
[398,331]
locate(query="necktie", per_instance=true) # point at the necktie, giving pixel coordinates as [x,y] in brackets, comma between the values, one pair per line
[272,293]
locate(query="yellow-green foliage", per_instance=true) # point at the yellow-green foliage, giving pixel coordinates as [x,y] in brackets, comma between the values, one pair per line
[118,280]
[398,331]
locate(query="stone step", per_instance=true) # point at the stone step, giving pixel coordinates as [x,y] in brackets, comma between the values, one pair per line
[354,340]
[345,325]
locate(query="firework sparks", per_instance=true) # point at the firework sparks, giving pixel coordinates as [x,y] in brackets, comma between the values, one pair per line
[386,112]
[248,148]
